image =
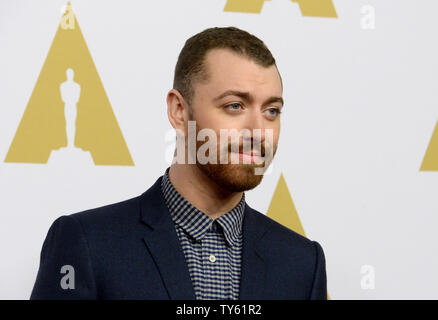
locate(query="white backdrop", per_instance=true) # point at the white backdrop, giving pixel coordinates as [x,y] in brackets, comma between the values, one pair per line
[360,108]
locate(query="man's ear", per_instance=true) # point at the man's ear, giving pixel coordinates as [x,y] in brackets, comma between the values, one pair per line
[177,110]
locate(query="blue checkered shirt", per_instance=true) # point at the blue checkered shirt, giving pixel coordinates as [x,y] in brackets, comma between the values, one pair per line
[212,248]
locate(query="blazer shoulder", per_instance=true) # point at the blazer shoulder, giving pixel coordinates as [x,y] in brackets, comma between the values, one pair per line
[284,248]
[277,232]
[114,214]
[296,262]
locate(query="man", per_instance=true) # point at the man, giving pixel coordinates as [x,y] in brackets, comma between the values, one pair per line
[192,235]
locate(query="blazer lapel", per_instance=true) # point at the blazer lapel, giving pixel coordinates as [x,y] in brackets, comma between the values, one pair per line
[253,268]
[163,244]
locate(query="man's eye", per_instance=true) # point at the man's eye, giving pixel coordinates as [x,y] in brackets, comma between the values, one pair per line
[234,106]
[274,111]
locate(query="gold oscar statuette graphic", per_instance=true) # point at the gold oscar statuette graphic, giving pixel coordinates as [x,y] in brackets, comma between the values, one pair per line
[82,120]
[309,8]
[430,161]
[282,209]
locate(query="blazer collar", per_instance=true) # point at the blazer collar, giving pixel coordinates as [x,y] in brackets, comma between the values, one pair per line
[163,244]
[253,268]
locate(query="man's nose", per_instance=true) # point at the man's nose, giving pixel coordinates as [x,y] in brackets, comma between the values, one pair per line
[255,122]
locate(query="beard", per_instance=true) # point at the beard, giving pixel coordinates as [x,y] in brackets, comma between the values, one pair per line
[235,177]
[232,177]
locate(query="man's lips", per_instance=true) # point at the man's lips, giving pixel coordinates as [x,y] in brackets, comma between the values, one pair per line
[251,156]
[252,152]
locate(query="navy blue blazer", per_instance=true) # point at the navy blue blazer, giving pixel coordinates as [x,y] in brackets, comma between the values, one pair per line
[130,250]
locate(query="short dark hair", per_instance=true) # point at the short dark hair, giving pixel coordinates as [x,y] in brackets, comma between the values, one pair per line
[190,65]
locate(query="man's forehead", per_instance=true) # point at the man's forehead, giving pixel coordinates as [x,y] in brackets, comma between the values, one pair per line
[220,58]
[217,53]
[224,67]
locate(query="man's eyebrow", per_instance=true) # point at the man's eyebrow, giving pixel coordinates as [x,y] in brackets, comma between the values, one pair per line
[247,96]
[275,99]
[243,95]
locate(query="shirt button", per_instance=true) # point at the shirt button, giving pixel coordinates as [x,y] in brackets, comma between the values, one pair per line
[212,258]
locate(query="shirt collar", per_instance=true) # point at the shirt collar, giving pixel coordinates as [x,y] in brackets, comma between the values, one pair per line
[195,222]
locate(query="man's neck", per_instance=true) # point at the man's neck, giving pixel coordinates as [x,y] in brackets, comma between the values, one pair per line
[201,191]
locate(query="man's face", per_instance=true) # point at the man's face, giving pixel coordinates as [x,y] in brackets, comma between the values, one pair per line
[239,94]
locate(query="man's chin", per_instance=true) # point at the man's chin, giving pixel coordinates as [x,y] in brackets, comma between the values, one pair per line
[233,177]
